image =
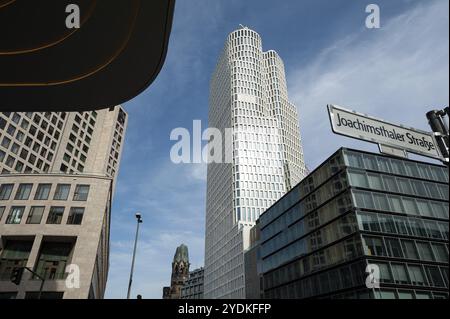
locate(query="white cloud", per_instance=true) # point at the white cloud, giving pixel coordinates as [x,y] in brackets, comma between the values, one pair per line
[398,73]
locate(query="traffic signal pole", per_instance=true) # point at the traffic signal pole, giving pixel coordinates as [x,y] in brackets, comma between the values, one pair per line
[16,278]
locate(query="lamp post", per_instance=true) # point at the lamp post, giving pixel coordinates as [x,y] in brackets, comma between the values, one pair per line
[139,221]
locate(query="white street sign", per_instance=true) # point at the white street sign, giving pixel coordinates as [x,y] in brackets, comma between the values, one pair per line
[367,128]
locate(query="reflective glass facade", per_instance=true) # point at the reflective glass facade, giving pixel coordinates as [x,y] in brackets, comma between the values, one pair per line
[357,209]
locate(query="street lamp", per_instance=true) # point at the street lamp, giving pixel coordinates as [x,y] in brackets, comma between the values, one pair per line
[139,221]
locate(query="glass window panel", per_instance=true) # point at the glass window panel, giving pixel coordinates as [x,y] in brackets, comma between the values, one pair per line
[410,206]
[42,191]
[403,294]
[23,192]
[369,222]
[400,274]
[375,181]
[433,229]
[375,246]
[419,188]
[418,227]
[55,215]
[424,208]
[443,190]
[75,216]
[358,179]
[390,184]
[417,275]
[393,247]
[423,295]
[432,190]
[15,215]
[387,223]
[381,202]
[441,253]
[2,210]
[62,192]
[5,191]
[409,249]
[438,209]
[434,276]
[425,251]
[35,215]
[402,225]
[81,193]
[385,273]
[396,203]
[405,186]
[385,294]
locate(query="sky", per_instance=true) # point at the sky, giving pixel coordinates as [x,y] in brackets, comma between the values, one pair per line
[397,72]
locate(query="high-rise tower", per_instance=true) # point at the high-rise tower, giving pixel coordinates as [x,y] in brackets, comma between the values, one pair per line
[248,94]
[56,185]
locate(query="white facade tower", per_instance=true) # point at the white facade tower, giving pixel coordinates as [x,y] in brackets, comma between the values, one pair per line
[248,94]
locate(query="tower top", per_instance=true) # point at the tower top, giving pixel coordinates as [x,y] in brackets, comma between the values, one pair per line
[181,254]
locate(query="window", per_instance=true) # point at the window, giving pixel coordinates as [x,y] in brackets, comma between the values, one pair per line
[35,215]
[381,202]
[417,227]
[75,216]
[23,192]
[375,246]
[81,193]
[15,254]
[375,181]
[417,275]
[404,294]
[5,191]
[425,251]
[369,222]
[2,210]
[434,276]
[62,192]
[385,273]
[53,258]
[42,191]
[393,247]
[400,274]
[55,215]
[409,248]
[15,215]
[440,252]
[423,295]
[358,179]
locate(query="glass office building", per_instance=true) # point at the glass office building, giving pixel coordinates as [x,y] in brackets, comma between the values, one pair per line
[357,209]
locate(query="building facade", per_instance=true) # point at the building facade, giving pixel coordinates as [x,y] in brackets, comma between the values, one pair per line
[193,287]
[248,94]
[56,186]
[180,273]
[359,211]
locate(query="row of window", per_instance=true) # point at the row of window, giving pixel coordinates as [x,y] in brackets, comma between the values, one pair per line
[35,214]
[43,192]
[408,249]
[412,274]
[398,185]
[396,166]
[401,225]
[401,204]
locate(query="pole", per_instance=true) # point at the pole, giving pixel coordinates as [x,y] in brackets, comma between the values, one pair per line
[139,220]
[42,279]
[437,124]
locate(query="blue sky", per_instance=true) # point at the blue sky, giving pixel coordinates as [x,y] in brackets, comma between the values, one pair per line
[397,72]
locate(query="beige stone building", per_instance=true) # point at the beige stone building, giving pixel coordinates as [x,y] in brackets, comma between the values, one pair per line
[58,173]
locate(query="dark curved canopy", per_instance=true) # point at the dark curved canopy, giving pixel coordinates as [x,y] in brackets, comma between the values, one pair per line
[116,53]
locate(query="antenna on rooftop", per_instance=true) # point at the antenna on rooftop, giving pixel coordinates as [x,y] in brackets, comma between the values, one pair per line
[242,26]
